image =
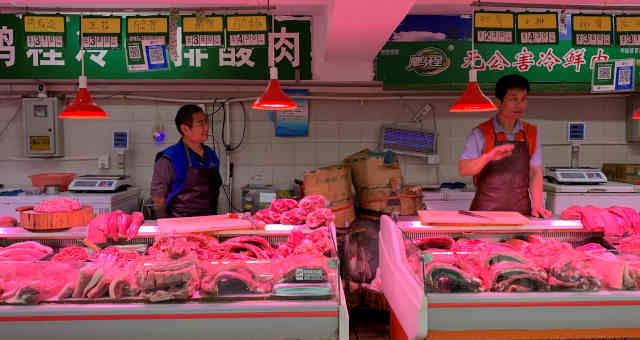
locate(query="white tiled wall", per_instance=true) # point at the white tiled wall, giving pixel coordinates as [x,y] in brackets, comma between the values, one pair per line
[337,129]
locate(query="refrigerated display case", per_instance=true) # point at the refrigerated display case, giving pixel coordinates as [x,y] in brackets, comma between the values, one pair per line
[498,283]
[227,285]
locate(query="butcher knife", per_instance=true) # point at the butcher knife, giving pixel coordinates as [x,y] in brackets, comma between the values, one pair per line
[472,214]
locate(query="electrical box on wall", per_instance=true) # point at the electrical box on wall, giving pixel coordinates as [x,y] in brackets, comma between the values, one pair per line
[43,129]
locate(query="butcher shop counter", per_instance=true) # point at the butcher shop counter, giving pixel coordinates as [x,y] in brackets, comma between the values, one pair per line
[222,318]
[233,320]
[419,312]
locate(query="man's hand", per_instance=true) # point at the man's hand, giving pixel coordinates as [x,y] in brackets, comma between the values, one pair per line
[500,152]
[540,212]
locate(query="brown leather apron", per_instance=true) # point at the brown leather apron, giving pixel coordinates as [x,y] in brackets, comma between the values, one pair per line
[199,196]
[503,185]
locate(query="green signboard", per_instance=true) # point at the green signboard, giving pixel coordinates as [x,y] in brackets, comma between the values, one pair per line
[445,64]
[290,48]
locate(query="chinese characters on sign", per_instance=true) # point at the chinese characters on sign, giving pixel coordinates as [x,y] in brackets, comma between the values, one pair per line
[7,49]
[247,30]
[44,31]
[101,32]
[202,32]
[592,30]
[524,60]
[628,30]
[494,27]
[537,28]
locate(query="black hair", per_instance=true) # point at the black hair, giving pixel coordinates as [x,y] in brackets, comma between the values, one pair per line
[511,81]
[185,115]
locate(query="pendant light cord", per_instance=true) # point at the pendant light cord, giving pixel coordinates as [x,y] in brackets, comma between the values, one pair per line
[81,44]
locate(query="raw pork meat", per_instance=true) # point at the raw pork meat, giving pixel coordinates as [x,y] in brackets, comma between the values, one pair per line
[136,221]
[71,254]
[440,242]
[614,221]
[511,276]
[446,278]
[60,204]
[630,245]
[313,202]
[97,229]
[7,221]
[114,226]
[24,251]
[282,205]
[320,217]
[233,280]
[573,272]
[295,216]
[168,281]
[268,216]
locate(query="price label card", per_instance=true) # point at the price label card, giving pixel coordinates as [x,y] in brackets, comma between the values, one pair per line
[494,27]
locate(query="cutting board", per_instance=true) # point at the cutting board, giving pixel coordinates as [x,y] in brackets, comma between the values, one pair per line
[202,224]
[453,218]
[43,221]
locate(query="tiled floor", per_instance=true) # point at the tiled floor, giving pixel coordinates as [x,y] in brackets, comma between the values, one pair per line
[368,324]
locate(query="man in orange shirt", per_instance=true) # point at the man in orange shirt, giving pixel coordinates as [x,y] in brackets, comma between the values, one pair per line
[504,155]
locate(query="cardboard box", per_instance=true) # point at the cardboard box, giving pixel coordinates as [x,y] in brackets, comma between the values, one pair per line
[334,183]
[622,172]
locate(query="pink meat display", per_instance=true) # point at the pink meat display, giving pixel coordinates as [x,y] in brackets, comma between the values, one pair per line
[136,221]
[313,202]
[282,205]
[7,221]
[24,251]
[310,210]
[60,204]
[295,216]
[320,217]
[268,216]
[613,221]
[71,254]
[114,226]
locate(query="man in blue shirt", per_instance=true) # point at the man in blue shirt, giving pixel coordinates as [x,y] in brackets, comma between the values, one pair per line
[186,178]
[504,155]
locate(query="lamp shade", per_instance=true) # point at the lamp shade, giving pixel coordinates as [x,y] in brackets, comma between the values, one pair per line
[273,98]
[473,100]
[83,106]
[636,115]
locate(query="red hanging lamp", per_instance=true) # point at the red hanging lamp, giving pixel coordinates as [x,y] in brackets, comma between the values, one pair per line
[636,115]
[273,97]
[83,106]
[473,100]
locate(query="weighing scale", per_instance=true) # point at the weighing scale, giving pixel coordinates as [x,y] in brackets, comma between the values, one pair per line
[100,183]
[581,175]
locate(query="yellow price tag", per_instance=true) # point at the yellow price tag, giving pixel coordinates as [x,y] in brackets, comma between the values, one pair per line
[591,23]
[101,25]
[247,23]
[43,24]
[493,20]
[537,21]
[628,24]
[197,25]
[146,25]
[40,143]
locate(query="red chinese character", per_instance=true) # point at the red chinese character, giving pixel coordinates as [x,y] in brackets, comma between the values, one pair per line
[471,58]
[524,60]
[548,60]
[498,61]
[574,58]
[598,57]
